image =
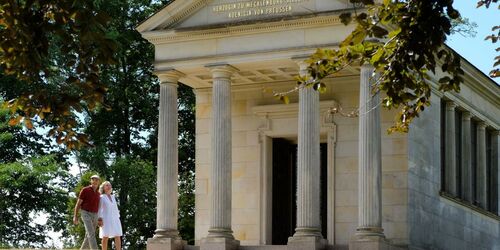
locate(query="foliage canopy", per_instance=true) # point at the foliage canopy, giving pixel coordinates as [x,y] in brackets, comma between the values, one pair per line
[58,42]
[405,43]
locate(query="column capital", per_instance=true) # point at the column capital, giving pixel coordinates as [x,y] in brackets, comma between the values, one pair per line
[450,105]
[495,132]
[367,66]
[466,116]
[481,125]
[303,64]
[169,76]
[222,70]
[367,71]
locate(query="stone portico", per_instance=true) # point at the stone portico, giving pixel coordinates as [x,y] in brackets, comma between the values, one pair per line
[229,61]
[234,54]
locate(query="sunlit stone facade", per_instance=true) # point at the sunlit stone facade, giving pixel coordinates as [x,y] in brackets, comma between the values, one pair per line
[306,175]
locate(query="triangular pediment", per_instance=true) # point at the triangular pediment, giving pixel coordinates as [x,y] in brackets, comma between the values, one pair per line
[190,14]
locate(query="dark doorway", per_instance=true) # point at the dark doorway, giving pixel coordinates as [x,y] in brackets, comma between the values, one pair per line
[285,187]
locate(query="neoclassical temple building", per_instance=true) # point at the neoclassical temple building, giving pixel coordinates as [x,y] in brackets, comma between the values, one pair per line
[320,172]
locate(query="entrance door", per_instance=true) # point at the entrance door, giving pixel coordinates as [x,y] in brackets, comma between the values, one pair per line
[285,190]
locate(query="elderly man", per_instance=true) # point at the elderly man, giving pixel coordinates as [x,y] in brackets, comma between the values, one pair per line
[88,203]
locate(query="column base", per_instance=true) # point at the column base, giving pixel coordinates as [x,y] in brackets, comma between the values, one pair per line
[167,233]
[213,243]
[220,233]
[366,242]
[306,243]
[159,243]
[369,231]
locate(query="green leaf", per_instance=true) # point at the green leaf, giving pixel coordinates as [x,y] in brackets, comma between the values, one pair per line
[377,56]
[321,88]
[285,99]
[394,32]
[453,13]
[358,36]
[379,31]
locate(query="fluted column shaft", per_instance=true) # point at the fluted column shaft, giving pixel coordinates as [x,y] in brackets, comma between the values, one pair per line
[481,183]
[220,220]
[308,163]
[450,150]
[466,157]
[167,193]
[370,160]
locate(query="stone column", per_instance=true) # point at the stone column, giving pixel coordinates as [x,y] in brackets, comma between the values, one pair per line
[466,157]
[370,159]
[308,163]
[308,229]
[220,235]
[450,170]
[482,187]
[166,234]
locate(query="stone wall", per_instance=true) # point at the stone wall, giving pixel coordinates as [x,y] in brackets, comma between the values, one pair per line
[434,221]
[247,214]
[394,171]
[246,165]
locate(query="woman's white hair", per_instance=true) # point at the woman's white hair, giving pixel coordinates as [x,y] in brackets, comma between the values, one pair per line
[101,188]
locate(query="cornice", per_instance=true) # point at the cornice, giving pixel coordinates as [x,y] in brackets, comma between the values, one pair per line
[171,36]
[481,84]
[247,56]
[187,10]
[170,14]
[476,80]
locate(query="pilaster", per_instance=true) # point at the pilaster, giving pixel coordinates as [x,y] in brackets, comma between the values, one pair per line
[450,150]
[481,181]
[466,157]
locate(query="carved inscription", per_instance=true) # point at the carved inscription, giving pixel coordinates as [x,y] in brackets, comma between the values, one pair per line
[256,8]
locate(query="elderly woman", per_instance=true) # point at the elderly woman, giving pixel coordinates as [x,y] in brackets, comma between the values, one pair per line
[110,216]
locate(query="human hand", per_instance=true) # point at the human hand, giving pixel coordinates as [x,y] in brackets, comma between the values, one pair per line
[75,220]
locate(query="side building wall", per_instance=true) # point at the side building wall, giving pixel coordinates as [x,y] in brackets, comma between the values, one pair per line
[436,222]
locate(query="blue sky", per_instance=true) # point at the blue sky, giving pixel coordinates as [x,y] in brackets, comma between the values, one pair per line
[475,49]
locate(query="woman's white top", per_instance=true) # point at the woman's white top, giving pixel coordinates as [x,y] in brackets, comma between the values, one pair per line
[108,211]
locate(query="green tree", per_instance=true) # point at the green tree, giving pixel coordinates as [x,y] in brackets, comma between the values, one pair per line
[30,188]
[134,180]
[126,129]
[187,132]
[32,183]
[34,35]
[15,142]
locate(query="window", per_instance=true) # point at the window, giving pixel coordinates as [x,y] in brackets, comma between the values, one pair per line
[461,178]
